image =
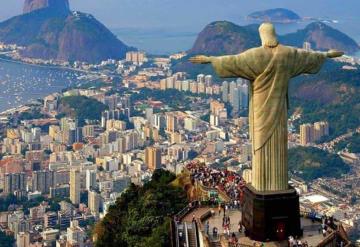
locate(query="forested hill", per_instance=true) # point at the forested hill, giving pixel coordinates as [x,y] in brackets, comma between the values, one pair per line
[331,95]
[141,216]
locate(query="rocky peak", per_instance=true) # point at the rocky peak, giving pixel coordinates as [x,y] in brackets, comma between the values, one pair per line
[61,6]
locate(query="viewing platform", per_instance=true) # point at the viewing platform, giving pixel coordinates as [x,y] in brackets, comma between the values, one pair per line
[206,218]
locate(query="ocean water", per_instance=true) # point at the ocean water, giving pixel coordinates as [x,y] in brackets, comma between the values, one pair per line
[22,83]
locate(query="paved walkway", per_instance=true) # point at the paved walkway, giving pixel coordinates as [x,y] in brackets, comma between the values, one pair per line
[311,230]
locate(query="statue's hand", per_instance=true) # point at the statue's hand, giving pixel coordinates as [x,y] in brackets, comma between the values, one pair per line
[200,59]
[334,53]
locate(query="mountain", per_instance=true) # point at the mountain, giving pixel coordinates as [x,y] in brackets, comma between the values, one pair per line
[321,37]
[58,5]
[331,95]
[223,37]
[278,15]
[49,30]
[219,38]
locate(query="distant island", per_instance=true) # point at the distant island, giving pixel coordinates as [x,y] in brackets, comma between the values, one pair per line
[278,15]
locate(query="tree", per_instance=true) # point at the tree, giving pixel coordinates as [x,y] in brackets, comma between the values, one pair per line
[5,240]
[311,163]
[141,216]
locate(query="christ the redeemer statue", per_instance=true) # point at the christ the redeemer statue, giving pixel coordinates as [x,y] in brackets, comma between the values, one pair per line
[269,69]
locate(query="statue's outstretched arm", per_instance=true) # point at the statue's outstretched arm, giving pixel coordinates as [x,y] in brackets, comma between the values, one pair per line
[334,53]
[201,59]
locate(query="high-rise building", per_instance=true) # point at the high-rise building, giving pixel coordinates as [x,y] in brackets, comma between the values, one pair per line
[42,181]
[75,234]
[75,186]
[170,82]
[310,133]
[88,131]
[244,95]
[201,78]
[235,99]
[36,133]
[208,80]
[60,191]
[201,88]
[94,202]
[14,182]
[49,236]
[191,124]
[306,134]
[171,122]
[163,84]
[23,239]
[136,57]
[185,85]
[194,87]
[159,120]
[149,115]
[178,85]
[132,140]
[50,220]
[107,115]
[225,91]
[90,179]
[320,129]
[153,158]
[232,86]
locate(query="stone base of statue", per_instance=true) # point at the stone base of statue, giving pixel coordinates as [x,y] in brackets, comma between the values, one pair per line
[271,216]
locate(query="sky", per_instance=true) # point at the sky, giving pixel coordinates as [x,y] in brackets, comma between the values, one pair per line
[191,15]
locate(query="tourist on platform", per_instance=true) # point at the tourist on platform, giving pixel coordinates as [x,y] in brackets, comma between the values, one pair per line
[207,227]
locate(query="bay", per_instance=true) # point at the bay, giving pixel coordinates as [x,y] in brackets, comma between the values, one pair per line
[21,83]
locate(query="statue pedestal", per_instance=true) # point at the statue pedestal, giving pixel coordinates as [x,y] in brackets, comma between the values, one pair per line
[271,216]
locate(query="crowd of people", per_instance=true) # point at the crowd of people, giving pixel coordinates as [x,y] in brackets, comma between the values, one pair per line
[226,181]
[295,242]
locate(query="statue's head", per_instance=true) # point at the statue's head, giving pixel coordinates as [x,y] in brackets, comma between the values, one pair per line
[268,35]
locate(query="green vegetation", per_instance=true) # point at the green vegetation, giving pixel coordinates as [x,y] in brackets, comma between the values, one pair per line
[12,200]
[82,108]
[141,216]
[6,241]
[311,163]
[352,144]
[6,202]
[173,98]
[54,206]
[29,115]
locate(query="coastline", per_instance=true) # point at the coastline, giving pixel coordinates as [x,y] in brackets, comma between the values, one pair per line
[7,59]
[23,106]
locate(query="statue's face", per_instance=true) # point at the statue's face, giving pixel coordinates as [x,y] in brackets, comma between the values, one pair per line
[268,35]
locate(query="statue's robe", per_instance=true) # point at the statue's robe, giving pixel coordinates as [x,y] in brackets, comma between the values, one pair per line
[269,71]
